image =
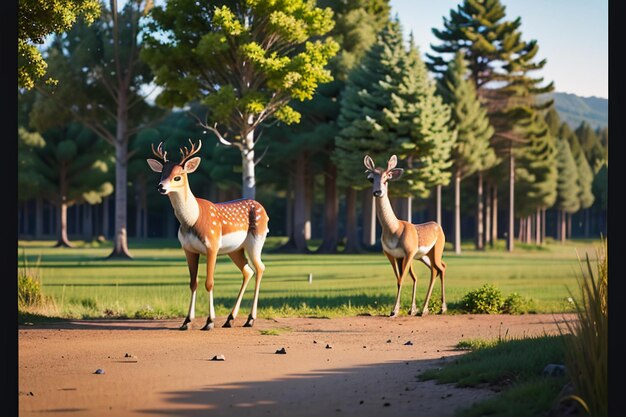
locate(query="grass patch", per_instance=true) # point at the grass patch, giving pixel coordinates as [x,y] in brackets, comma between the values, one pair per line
[83,284]
[511,366]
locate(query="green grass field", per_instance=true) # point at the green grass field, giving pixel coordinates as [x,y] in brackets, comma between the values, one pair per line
[81,284]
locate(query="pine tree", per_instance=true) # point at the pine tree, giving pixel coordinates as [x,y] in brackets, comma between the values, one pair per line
[496,53]
[590,143]
[471,152]
[567,200]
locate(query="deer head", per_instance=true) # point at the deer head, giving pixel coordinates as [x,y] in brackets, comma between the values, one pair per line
[379,177]
[174,175]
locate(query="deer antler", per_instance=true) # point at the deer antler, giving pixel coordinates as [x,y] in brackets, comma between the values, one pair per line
[186,154]
[159,153]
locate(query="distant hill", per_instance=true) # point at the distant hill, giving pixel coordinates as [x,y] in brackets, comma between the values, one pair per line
[574,109]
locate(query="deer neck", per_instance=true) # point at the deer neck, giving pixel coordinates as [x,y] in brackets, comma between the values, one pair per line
[186,208]
[386,216]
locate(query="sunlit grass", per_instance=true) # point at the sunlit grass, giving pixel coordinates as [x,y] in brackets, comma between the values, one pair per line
[83,284]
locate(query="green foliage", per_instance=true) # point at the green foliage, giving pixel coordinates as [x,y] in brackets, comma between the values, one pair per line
[567,185]
[517,304]
[513,368]
[590,143]
[485,300]
[472,151]
[245,60]
[29,292]
[586,355]
[36,19]
[475,344]
[390,106]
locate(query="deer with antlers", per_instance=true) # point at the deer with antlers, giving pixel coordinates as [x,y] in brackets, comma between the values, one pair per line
[237,228]
[403,241]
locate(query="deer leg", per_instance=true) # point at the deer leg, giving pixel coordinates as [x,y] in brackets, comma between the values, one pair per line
[239,259]
[211,257]
[394,265]
[428,260]
[413,309]
[192,263]
[254,253]
[406,265]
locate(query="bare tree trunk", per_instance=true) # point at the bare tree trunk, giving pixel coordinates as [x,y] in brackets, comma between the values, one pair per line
[529,228]
[62,240]
[480,235]
[488,216]
[543,225]
[457,212]
[308,198]
[521,230]
[563,232]
[438,199]
[38,218]
[369,219]
[538,226]
[247,164]
[569,225]
[494,213]
[120,244]
[510,245]
[331,210]
[352,238]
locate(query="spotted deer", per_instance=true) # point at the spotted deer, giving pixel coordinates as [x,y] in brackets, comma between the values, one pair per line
[236,228]
[403,241]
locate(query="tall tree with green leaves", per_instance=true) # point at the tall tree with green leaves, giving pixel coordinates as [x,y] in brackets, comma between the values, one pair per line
[567,200]
[72,164]
[244,60]
[471,152]
[590,143]
[100,85]
[36,19]
[500,63]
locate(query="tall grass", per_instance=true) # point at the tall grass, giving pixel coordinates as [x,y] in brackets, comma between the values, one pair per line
[29,285]
[586,355]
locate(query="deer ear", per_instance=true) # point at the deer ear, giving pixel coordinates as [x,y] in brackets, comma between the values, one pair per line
[393,161]
[395,174]
[191,165]
[155,165]
[369,163]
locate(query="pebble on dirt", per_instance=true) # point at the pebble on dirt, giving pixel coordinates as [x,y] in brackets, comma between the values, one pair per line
[329,347]
[409,343]
[281,351]
[218,358]
[99,371]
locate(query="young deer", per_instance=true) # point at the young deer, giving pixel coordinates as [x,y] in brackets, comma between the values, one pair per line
[212,229]
[402,241]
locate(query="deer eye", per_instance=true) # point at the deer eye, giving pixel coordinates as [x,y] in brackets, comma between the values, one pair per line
[177,178]
[370,179]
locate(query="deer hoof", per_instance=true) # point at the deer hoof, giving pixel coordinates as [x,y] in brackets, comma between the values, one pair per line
[184,327]
[412,311]
[227,324]
[228,321]
[208,326]
[444,308]
[393,314]
[249,323]
[424,312]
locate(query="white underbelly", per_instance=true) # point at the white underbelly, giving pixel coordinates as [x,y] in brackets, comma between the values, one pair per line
[398,251]
[190,242]
[232,242]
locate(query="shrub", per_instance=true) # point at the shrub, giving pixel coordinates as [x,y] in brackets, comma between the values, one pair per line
[485,300]
[29,285]
[586,354]
[517,304]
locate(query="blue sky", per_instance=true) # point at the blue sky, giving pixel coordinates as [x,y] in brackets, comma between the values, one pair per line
[572,35]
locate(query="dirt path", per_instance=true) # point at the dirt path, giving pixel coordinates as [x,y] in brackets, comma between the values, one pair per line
[368,372]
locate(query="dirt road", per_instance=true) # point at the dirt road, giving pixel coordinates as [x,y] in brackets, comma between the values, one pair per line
[368,371]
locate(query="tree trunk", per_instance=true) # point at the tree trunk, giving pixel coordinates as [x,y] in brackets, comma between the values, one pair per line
[510,245]
[247,164]
[521,230]
[543,225]
[563,232]
[488,215]
[529,228]
[120,244]
[352,238]
[331,210]
[369,219]
[62,240]
[494,213]
[308,197]
[438,199]
[404,208]
[480,235]
[105,218]
[38,218]
[457,213]
[569,225]
[538,226]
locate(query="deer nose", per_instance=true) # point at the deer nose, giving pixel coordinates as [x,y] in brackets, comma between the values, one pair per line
[160,188]
[378,193]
